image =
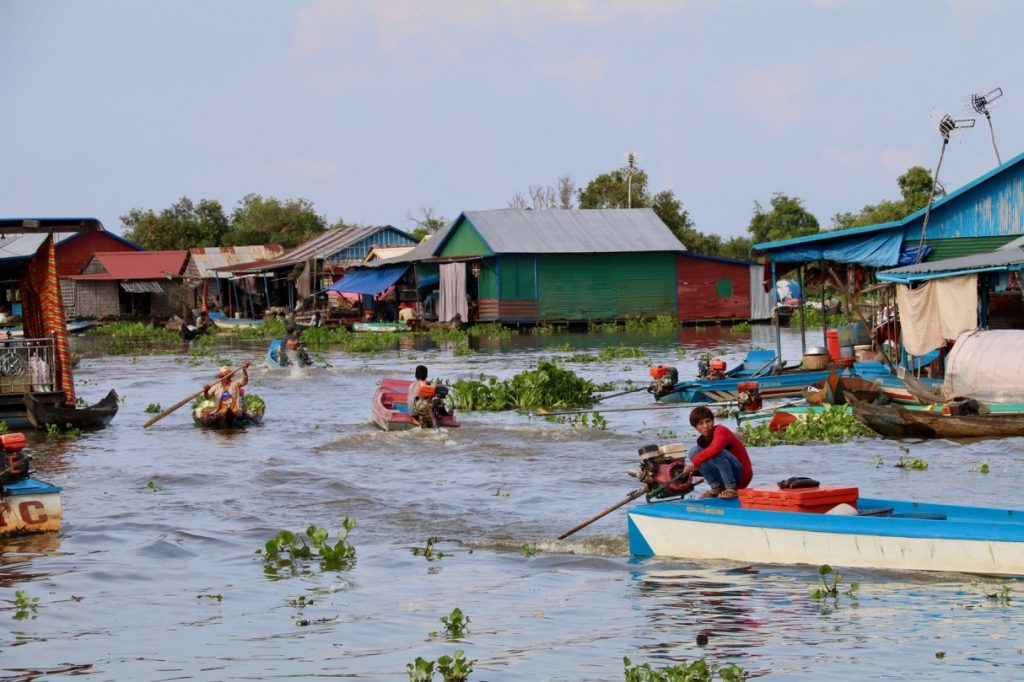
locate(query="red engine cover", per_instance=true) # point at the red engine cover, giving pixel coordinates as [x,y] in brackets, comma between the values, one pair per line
[665,473]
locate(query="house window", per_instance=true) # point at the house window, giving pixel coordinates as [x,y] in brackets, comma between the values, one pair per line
[723,288]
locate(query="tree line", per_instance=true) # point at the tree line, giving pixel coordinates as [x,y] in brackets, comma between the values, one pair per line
[259,220]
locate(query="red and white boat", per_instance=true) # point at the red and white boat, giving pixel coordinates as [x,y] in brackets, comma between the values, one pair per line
[391,410]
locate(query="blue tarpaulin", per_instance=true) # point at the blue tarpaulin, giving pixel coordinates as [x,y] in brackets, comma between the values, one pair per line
[369,282]
[429,281]
[880,250]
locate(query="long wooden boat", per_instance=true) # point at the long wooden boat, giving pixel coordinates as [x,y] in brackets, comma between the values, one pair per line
[41,414]
[390,410]
[782,417]
[885,534]
[896,421]
[381,327]
[924,393]
[74,327]
[724,390]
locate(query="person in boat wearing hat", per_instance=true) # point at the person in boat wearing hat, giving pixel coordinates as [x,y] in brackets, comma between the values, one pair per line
[228,391]
[719,455]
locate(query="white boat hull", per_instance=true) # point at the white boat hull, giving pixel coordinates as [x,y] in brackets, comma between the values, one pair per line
[30,513]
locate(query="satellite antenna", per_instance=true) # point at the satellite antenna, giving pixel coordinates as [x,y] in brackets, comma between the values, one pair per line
[981,102]
[949,127]
[631,159]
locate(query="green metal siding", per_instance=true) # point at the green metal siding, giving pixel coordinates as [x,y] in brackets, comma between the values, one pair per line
[966,246]
[606,286]
[487,284]
[518,278]
[723,288]
[465,241]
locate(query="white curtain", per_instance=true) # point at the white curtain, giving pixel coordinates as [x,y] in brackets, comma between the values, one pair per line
[453,292]
[760,300]
[937,311]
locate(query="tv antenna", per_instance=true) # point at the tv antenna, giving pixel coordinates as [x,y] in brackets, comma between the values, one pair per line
[981,102]
[631,159]
[949,127]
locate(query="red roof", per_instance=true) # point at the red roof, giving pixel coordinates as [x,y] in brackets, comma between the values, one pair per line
[138,265]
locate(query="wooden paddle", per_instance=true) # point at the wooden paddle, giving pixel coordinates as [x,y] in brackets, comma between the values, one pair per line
[632,496]
[192,397]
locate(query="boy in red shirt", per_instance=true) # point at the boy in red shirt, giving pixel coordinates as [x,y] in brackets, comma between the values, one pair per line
[719,455]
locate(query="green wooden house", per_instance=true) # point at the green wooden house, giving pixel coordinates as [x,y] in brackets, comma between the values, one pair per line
[527,266]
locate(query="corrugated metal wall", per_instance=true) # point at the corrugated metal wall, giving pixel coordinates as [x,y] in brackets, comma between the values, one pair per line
[465,241]
[954,248]
[605,286]
[993,207]
[73,254]
[705,293]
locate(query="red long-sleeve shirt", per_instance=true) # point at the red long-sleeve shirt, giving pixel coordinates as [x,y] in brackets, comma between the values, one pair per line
[724,439]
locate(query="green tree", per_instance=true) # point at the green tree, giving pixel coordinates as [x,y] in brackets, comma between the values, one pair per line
[269,221]
[737,247]
[787,219]
[915,186]
[614,190]
[181,226]
[426,222]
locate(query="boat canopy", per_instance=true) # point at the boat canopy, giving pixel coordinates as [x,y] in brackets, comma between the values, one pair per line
[369,282]
[987,366]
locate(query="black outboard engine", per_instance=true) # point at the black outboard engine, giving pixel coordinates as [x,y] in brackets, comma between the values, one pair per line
[437,401]
[664,379]
[15,465]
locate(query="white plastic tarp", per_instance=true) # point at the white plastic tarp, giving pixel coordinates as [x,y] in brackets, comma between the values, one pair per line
[987,366]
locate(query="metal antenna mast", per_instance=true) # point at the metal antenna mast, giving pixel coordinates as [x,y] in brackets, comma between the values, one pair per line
[631,158]
[948,127]
[981,102]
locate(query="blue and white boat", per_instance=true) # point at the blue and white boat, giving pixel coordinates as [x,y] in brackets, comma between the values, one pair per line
[727,390]
[222,321]
[280,357]
[27,505]
[884,534]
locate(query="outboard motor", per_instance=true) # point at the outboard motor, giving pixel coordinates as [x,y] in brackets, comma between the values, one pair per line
[749,398]
[438,400]
[16,465]
[661,469]
[664,381]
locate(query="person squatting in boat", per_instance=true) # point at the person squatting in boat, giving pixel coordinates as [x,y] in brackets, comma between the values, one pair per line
[426,401]
[719,455]
[228,393]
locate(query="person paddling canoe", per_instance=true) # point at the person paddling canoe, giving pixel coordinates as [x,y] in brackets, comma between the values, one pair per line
[227,392]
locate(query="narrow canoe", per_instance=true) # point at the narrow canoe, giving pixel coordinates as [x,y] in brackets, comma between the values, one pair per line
[390,407]
[896,421]
[784,416]
[29,506]
[225,420]
[41,414]
[222,321]
[886,534]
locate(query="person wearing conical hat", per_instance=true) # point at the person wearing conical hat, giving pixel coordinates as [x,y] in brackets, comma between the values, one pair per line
[226,393]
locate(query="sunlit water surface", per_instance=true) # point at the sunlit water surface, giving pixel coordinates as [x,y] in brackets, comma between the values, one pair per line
[156,576]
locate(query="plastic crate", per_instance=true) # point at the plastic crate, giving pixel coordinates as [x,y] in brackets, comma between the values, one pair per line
[814,500]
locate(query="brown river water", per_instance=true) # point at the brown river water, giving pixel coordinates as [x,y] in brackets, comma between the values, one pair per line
[156,575]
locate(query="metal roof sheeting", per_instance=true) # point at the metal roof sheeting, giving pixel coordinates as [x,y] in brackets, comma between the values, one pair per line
[139,265]
[606,230]
[1008,257]
[323,246]
[209,258]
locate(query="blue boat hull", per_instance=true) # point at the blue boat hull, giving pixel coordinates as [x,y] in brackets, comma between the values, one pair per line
[721,390]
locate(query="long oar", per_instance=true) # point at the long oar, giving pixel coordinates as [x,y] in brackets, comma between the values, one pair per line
[630,498]
[615,395]
[541,412]
[172,408]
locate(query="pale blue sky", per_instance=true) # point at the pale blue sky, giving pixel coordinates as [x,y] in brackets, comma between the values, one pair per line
[372,109]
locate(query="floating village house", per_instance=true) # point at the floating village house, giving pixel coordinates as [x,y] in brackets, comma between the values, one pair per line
[39,361]
[310,267]
[975,219]
[133,284]
[211,269]
[71,248]
[521,266]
